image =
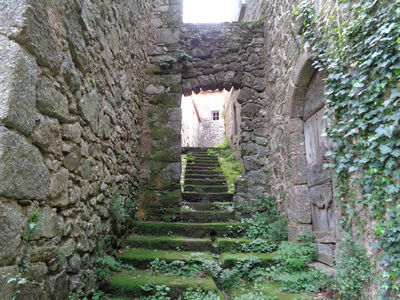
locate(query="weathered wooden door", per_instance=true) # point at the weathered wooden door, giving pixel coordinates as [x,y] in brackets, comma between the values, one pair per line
[319,180]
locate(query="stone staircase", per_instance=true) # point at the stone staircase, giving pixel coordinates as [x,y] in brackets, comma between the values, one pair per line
[206,227]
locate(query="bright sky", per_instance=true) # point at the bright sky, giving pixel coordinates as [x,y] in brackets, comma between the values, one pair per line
[210,11]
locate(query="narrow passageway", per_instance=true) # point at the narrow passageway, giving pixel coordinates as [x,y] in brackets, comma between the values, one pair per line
[196,253]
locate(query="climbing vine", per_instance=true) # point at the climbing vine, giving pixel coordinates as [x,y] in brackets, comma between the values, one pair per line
[358,44]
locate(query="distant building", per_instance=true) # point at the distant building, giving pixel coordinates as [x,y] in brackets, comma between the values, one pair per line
[203,120]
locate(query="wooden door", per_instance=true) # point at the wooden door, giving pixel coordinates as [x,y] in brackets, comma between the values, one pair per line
[319,180]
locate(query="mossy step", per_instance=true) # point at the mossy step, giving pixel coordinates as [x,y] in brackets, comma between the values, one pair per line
[140,257]
[232,244]
[204,169]
[209,197]
[207,216]
[205,158]
[198,206]
[206,188]
[195,230]
[266,288]
[205,182]
[168,243]
[204,176]
[228,259]
[204,164]
[129,284]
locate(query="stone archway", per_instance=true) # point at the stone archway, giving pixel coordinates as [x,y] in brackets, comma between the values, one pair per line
[312,207]
[191,58]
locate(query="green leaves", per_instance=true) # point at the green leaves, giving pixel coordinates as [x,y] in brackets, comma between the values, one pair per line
[363,93]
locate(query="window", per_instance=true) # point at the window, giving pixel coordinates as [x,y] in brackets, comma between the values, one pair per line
[215,115]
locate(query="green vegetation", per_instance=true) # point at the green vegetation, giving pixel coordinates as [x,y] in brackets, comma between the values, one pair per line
[122,213]
[107,264]
[232,259]
[142,257]
[168,243]
[352,270]
[362,58]
[189,229]
[231,167]
[266,221]
[131,283]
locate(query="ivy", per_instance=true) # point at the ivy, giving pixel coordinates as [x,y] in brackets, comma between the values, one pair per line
[360,50]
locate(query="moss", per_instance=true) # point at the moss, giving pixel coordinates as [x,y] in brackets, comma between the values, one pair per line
[140,258]
[229,244]
[189,229]
[210,197]
[130,283]
[207,216]
[176,88]
[206,188]
[168,243]
[228,260]
[167,100]
[271,289]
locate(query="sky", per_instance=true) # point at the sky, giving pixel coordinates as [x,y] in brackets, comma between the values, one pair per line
[210,11]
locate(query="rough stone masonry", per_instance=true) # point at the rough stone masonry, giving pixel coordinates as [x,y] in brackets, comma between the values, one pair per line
[71,98]
[90,97]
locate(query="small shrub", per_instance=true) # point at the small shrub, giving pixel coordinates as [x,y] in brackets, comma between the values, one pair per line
[294,256]
[352,269]
[192,294]
[107,264]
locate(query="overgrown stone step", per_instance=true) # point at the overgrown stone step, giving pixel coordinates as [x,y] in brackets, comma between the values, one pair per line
[204,176]
[206,188]
[207,216]
[210,197]
[195,230]
[232,244]
[129,284]
[272,290]
[204,164]
[214,206]
[213,173]
[205,168]
[228,260]
[205,182]
[141,257]
[168,243]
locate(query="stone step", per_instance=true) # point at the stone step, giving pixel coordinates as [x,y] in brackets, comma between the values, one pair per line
[205,168]
[129,284]
[214,206]
[206,216]
[210,197]
[206,188]
[140,258]
[168,243]
[208,173]
[194,230]
[197,149]
[204,176]
[228,260]
[205,182]
[203,165]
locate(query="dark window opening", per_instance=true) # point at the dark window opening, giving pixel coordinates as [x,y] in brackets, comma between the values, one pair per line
[215,115]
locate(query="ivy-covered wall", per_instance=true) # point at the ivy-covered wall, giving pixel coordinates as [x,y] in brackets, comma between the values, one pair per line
[357,45]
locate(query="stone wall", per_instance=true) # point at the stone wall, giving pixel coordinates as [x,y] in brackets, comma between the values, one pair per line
[254,10]
[188,58]
[190,123]
[233,121]
[71,96]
